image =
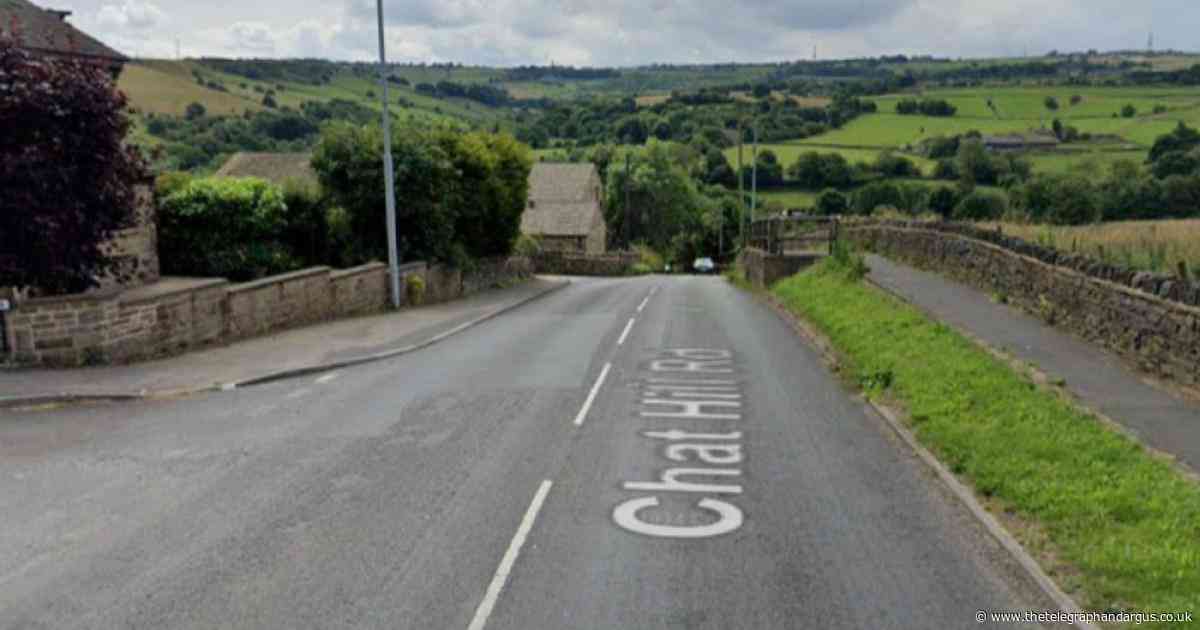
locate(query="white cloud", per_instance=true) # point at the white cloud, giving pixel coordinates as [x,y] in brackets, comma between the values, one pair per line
[635,32]
[256,38]
[130,15]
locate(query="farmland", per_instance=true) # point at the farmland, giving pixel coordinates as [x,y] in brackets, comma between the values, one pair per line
[1152,245]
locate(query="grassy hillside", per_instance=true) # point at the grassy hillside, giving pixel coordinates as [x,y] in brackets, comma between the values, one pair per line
[154,91]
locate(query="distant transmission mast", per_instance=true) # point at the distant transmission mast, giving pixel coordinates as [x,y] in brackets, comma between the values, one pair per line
[814,52]
[1150,42]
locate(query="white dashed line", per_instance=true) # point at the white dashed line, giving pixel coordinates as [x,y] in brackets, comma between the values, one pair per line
[303,391]
[510,558]
[587,404]
[625,334]
[328,378]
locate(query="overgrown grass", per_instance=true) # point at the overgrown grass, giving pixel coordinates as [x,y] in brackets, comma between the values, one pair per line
[1151,245]
[1126,524]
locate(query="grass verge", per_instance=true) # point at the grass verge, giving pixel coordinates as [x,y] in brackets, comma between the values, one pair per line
[1125,522]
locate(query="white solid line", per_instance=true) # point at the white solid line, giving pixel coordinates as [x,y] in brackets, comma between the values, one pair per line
[328,378]
[642,306]
[587,404]
[625,335]
[510,558]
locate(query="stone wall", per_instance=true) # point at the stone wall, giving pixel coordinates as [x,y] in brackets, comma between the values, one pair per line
[136,247]
[180,314]
[764,270]
[1150,320]
[616,264]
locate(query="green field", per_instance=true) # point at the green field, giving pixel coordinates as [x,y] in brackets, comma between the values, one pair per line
[1022,103]
[168,87]
[788,153]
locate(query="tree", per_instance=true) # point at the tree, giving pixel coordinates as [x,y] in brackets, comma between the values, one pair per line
[268,101]
[942,200]
[761,90]
[1051,103]
[665,201]
[67,176]
[1182,138]
[875,194]
[194,111]
[1176,163]
[1059,199]
[831,203]
[974,164]
[1129,111]
[981,205]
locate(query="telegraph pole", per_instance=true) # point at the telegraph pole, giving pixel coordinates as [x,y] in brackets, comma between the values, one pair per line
[754,176]
[389,176]
[741,189]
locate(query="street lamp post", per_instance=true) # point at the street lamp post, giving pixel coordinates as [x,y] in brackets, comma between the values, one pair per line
[754,177]
[389,175]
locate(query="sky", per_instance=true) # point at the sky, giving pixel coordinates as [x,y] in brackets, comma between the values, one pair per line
[630,32]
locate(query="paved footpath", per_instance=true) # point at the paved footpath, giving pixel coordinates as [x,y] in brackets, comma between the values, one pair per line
[299,348]
[1162,420]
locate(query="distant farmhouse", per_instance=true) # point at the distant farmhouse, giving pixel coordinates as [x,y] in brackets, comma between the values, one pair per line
[564,209]
[46,33]
[277,168]
[1018,142]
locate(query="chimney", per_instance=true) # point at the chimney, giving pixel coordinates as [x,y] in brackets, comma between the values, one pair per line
[62,15]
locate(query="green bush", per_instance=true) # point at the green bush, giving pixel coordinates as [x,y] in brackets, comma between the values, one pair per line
[981,205]
[527,246]
[306,216]
[170,182]
[229,228]
[414,289]
[831,203]
[640,269]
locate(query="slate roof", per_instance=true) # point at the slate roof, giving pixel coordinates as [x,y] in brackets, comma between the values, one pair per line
[563,200]
[276,168]
[48,32]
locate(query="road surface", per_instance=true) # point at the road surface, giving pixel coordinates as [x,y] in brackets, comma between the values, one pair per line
[647,454]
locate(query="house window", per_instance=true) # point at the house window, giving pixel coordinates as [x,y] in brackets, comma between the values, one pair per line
[532,204]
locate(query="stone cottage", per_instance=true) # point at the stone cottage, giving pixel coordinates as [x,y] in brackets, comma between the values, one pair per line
[564,209]
[46,33]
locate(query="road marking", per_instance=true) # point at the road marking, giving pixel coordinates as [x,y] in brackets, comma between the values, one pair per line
[587,404]
[642,306]
[510,558]
[625,335]
[328,378]
[708,458]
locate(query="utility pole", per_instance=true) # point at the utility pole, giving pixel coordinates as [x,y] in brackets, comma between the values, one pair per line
[754,176]
[741,188]
[628,206]
[389,175]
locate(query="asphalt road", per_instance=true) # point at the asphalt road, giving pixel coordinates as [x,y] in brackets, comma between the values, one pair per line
[717,477]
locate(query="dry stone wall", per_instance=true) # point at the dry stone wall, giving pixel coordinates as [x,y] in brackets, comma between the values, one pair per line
[177,315]
[1151,320]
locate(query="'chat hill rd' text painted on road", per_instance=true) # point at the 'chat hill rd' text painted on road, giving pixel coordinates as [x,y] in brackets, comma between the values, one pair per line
[692,386]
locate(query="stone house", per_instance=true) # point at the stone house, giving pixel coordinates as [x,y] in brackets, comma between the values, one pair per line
[564,209]
[46,33]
